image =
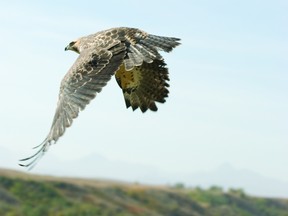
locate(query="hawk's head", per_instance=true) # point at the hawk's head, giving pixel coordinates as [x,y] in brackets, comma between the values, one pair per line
[73,46]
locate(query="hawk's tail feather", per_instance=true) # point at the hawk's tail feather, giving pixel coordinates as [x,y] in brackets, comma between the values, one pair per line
[135,102]
[145,103]
[138,100]
[149,85]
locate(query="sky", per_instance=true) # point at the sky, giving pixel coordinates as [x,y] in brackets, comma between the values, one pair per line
[228,84]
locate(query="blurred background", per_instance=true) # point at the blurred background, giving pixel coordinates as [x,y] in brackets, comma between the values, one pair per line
[225,122]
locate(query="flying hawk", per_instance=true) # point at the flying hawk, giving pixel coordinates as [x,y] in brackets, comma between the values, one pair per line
[128,53]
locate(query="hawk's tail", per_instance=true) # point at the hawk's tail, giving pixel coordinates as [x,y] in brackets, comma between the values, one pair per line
[144,85]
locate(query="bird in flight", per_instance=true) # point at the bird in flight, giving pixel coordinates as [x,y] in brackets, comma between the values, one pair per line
[130,54]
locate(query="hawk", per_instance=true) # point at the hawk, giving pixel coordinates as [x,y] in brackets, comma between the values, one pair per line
[130,54]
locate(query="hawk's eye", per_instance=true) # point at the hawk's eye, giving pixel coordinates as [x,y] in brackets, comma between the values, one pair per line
[72,43]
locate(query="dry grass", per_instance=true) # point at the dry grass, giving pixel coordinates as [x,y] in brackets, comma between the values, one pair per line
[78,181]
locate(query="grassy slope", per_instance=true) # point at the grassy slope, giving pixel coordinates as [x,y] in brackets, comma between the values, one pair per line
[23,194]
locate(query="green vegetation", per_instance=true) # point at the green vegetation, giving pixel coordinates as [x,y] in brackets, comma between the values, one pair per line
[23,194]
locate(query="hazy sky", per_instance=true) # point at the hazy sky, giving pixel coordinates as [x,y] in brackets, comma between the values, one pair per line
[228,95]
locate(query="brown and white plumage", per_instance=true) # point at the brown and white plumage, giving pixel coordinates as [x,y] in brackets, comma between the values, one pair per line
[129,53]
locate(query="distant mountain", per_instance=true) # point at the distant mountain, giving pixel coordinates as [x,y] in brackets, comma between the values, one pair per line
[8,159]
[96,166]
[25,194]
[227,177]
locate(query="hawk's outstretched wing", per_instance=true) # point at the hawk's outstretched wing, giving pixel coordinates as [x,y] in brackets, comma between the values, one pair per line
[144,85]
[89,74]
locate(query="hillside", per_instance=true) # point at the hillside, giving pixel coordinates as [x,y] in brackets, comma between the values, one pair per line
[24,194]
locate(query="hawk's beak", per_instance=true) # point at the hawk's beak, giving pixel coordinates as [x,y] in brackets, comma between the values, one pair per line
[67,48]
